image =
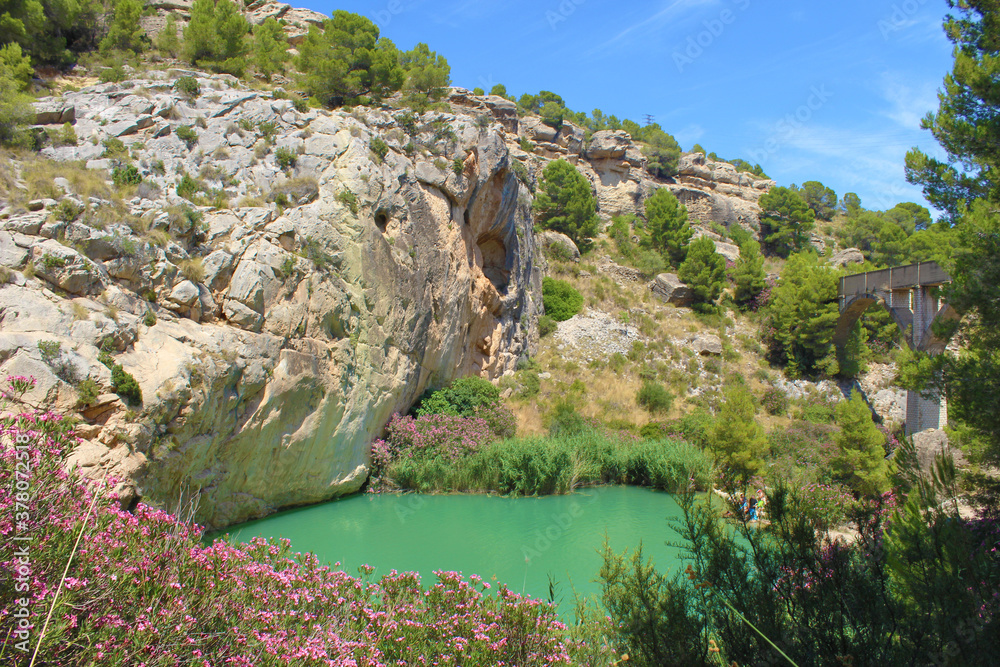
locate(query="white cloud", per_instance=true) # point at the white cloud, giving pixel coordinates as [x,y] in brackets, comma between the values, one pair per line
[909,103]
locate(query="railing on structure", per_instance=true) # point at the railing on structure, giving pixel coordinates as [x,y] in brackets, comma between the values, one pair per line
[922,274]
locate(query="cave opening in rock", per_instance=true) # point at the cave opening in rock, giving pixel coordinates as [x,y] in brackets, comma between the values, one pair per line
[382,221]
[466,216]
[494,254]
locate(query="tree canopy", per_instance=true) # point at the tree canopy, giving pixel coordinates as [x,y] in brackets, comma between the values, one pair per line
[821,199]
[565,203]
[667,222]
[786,220]
[704,271]
[346,62]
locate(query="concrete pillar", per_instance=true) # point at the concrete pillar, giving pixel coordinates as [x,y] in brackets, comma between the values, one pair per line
[925,307]
[923,413]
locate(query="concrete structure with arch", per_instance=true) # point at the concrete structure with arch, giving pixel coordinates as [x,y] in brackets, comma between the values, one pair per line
[911,295]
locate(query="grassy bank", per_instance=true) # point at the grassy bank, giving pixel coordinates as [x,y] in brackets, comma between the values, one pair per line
[533,466]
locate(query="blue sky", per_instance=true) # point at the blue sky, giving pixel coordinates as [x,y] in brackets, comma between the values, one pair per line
[828,91]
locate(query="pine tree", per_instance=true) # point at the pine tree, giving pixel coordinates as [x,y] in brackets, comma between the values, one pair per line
[667,220]
[862,456]
[566,204]
[167,41]
[749,276]
[704,271]
[427,72]
[270,48]
[737,440]
[785,220]
[125,33]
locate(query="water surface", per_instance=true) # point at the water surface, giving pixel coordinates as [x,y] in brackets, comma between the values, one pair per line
[520,541]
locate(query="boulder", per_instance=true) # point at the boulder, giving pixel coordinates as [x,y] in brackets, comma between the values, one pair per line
[570,137]
[932,442]
[504,111]
[847,257]
[707,345]
[551,242]
[51,111]
[66,268]
[535,130]
[728,250]
[608,144]
[669,288]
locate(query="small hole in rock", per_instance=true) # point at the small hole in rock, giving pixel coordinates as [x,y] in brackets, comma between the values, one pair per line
[381,221]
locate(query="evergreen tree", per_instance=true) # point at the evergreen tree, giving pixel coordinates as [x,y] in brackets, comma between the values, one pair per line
[52,31]
[499,90]
[667,221]
[737,439]
[200,39]
[345,61]
[862,456]
[850,204]
[16,112]
[749,276]
[967,123]
[882,240]
[125,33]
[786,221]
[167,41]
[566,204]
[821,199]
[270,48]
[704,271]
[802,317]
[427,73]
[661,150]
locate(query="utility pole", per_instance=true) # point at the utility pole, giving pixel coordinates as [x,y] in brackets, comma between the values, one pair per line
[649,119]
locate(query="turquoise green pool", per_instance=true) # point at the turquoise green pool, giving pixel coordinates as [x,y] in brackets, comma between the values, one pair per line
[524,542]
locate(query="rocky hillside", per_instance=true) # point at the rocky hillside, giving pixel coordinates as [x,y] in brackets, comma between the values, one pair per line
[320,271]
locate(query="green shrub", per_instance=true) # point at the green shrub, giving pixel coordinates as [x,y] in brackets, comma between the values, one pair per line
[52,262]
[68,210]
[87,391]
[189,187]
[560,299]
[123,384]
[187,134]
[348,199]
[301,105]
[566,203]
[774,401]
[286,157]
[655,398]
[531,384]
[114,148]
[149,319]
[379,148]
[546,325]
[188,85]
[460,398]
[458,166]
[127,175]
[267,129]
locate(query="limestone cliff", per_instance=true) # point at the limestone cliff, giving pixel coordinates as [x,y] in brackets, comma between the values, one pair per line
[271,343]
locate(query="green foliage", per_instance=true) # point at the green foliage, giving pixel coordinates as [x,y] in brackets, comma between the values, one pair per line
[656,622]
[966,121]
[786,221]
[749,277]
[87,391]
[654,397]
[149,319]
[167,41]
[126,175]
[774,401]
[547,325]
[52,32]
[16,112]
[427,73]
[639,255]
[189,188]
[188,85]
[704,271]
[124,32]
[345,60]
[802,316]
[285,157]
[457,166]
[216,37]
[821,199]
[566,203]
[123,384]
[187,134]
[882,241]
[737,439]
[661,150]
[460,398]
[379,148]
[270,48]
[560,299]
[68,210]
[862,456]
[348,199]
[667,221]
[499,90]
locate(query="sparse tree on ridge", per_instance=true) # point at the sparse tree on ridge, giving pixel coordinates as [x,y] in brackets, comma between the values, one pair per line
[667,221]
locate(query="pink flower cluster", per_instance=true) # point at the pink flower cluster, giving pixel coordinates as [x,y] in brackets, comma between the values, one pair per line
[144,590]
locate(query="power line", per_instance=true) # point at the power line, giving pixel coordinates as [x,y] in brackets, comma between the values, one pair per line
[649,119]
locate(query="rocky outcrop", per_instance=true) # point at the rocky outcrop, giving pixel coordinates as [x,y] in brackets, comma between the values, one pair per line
[271,342]
[847,257]
[558,244]
[669,288]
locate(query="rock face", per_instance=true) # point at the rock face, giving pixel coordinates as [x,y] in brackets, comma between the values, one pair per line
[558,243]
[932,442]
[669,288]
[847,257]
[271,343]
